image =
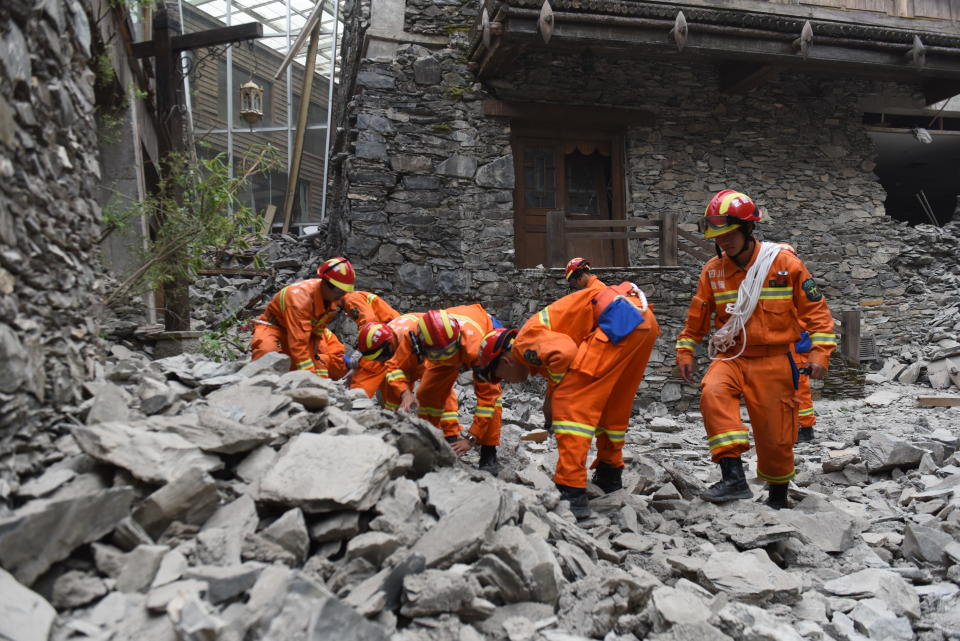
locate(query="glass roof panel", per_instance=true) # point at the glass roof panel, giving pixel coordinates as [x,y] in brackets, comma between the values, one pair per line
[272,14]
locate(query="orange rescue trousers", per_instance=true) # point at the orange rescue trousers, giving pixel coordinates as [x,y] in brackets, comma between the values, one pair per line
[808,418]
[436,391]
[766,384]
[595,398]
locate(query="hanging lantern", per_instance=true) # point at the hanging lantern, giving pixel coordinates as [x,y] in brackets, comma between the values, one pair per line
[251,102]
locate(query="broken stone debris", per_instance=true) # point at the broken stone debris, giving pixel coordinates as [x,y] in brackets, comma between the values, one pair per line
[267,530]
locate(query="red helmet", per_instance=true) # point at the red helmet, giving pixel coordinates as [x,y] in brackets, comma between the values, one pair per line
[726,211]
[439,335]
[338,272]
[375,341]
[493,345]
[574,265]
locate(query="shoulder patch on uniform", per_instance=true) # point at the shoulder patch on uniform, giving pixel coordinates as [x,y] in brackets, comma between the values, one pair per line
[811,290]
[531,357]
[355,312]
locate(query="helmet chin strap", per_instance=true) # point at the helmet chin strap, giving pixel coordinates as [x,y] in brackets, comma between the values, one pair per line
[748,241]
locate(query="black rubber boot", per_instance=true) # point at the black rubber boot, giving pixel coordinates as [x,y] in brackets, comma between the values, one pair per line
[577,497]
[608,478]
[778,496]
[488,459]
[733,485]
[805,435]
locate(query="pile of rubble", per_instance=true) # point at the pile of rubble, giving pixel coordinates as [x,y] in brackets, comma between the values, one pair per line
[238,501]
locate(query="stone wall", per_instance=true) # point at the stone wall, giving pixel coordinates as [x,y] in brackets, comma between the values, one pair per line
[49,220]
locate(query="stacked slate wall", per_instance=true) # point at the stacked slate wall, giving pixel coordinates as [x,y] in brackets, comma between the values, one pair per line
[427,202]
[49,220]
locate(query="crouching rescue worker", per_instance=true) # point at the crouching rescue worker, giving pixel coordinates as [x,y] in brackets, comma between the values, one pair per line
[759,295]
[592,346]
[391,345]
[578,275]
[364,308]
[449,340]
[295,321]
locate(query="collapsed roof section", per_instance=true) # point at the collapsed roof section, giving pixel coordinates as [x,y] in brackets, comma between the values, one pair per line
[751,40]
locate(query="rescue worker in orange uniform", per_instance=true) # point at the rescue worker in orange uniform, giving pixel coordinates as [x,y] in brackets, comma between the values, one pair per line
[364,308]
[295,321]
[759,295]
[390,345]
[449,340]
[578,275]
[801,351]
[592,346]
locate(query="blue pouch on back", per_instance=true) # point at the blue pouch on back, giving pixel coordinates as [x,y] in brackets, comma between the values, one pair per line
[619,319]
[803,345]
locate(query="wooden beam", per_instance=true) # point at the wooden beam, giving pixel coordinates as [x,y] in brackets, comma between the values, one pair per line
[643,36]
[556,239]
[201,39]
[938,401]
[566,114]
[744,77]
[668,241]
[308,28]
[311,63]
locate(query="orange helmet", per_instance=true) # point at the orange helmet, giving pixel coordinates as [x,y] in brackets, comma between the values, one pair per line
[726,211]
[439,335]
[375,341]
[338,272]
[493,345]
[574,265]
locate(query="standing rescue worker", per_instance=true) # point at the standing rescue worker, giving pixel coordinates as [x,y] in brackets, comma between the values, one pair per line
[391,345]
[801,352]
[295,321]
[592,346]
[578,275]
[449,340]
[759,295]
[364,308]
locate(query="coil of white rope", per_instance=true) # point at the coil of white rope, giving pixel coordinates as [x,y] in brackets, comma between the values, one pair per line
[747,296]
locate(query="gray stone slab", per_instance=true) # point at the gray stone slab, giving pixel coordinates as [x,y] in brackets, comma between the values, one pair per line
[886,585]
[48,482]
[152,457]
[110,403]
[256,463]
[192,498]
[290,533]
[883,452]
[335,527]
[750,576]
[457,537]
[75,588]
[225,582]
[212,432]
[140,567]
[46,531]
[250,404]
[925,543]
[240,515]
[323,473]
[24,614]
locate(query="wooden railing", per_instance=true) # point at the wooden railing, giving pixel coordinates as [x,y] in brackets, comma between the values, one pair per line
[561,232]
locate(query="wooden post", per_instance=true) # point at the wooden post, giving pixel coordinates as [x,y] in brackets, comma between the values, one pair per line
[556,238]
[668,241]
[310,65]
[850,339]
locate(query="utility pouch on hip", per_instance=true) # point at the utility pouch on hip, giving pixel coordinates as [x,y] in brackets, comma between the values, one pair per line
[618,319]
[795,371]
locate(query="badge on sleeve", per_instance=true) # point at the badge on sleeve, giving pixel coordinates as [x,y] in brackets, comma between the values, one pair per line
[355,313]
[531,357]
[811,290]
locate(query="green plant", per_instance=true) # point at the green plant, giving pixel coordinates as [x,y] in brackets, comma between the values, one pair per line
[195,208]
[442,127]
[228,342]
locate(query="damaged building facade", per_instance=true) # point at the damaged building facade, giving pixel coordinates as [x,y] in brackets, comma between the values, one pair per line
[470,123]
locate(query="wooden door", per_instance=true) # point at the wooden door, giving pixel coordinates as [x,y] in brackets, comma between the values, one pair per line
[578,173]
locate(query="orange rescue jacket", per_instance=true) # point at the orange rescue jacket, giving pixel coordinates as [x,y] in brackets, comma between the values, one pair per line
[405,367]
[789,301]
[364,307]
[300,310]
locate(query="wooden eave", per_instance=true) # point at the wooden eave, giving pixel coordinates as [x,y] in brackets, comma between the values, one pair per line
[748,44]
